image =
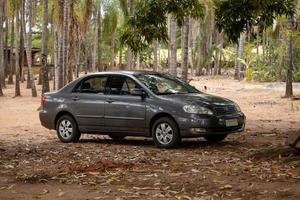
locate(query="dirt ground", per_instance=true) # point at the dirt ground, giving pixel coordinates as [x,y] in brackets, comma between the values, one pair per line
[253,165]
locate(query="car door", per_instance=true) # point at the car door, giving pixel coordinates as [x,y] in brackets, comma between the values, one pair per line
[88,103]
[124,112]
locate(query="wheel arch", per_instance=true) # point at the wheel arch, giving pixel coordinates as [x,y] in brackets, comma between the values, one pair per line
[158,116]
[61,113]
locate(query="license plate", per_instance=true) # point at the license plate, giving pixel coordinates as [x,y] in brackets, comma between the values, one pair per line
[232,122]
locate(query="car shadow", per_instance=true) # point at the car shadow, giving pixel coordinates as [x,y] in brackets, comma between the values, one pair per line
[147,142]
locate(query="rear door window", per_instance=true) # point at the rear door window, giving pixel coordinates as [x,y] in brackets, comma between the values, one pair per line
[121,85]
[95,84]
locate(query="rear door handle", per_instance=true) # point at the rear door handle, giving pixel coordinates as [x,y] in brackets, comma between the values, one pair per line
[109,101]
[75,99]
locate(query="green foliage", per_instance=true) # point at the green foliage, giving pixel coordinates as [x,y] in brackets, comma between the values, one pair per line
[149,21]
[235,16]
[296,76]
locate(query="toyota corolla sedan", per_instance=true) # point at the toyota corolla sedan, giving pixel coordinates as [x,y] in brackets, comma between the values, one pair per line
[138,103]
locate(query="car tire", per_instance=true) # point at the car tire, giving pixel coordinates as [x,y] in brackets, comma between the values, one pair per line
[165,133]
[67,129]
[117,138]
[215,138]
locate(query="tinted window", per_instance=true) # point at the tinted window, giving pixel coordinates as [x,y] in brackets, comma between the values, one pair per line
[121,85]
[93,85]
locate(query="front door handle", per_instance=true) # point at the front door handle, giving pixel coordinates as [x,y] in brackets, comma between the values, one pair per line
[109,101]
[75,99]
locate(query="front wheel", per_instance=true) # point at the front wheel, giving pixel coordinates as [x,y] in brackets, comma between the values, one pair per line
[67,130]
[165,133]
[215,138]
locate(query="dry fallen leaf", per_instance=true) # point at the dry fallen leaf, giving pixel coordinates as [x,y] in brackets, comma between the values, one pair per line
[226,187]
[60,194]
[45,191]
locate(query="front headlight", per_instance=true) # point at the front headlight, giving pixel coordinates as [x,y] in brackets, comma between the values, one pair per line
[237,107]
[193,109]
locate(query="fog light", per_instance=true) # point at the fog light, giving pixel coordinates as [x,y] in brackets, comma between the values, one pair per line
[198,130]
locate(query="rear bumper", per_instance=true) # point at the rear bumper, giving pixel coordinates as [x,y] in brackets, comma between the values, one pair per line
[200,126]
[46,120]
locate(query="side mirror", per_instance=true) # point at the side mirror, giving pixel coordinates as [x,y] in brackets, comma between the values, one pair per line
[138,92]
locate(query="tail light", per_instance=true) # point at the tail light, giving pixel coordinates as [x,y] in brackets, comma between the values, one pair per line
[43,100]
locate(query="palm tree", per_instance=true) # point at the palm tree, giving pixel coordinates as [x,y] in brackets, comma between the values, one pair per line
[65,39]
[99,36]
[155,56]
[12,34]
[1,46]
[289,78]
[185,47]
[173,46]
[240,49]
[45,79]
[28,44]
[17,52]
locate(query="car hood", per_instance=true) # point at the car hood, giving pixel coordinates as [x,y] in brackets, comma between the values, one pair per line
[198,98]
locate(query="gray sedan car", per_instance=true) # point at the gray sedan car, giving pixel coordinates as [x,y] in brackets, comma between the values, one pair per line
[138,103]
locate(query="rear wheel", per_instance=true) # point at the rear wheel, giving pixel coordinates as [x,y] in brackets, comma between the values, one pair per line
[67,130]
[215,138]
[165,133]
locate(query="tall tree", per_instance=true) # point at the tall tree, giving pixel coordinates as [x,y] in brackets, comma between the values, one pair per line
[185,48]
[11,65]
[1,46]
[173,46]
[240,50]
[141,32]
[29,14]
[289,77]
[155,56]
[17,52]
[99,32]
[45,79]
[65,39]
[235,16]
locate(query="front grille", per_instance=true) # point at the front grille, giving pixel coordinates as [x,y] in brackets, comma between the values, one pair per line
[225,110]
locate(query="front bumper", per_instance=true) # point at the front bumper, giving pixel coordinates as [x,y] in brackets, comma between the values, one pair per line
[199,126]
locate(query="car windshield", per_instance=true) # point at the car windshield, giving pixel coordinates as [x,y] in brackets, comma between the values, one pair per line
[165,85]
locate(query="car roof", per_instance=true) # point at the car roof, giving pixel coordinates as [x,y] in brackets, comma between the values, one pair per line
[133,72]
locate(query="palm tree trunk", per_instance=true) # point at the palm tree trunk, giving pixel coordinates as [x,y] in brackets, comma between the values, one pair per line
[99,27]
[129,59]
[17,52]
[29,12]
[173,47]
[11,61]
[6,54]
[1,47]
[112,53]
[45,79]
[65,39]
[138,62]
[185,48]
[237,74]
[71,56]
[155,55]
[57,66]
[121,58]
[218,53]
[289,77]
